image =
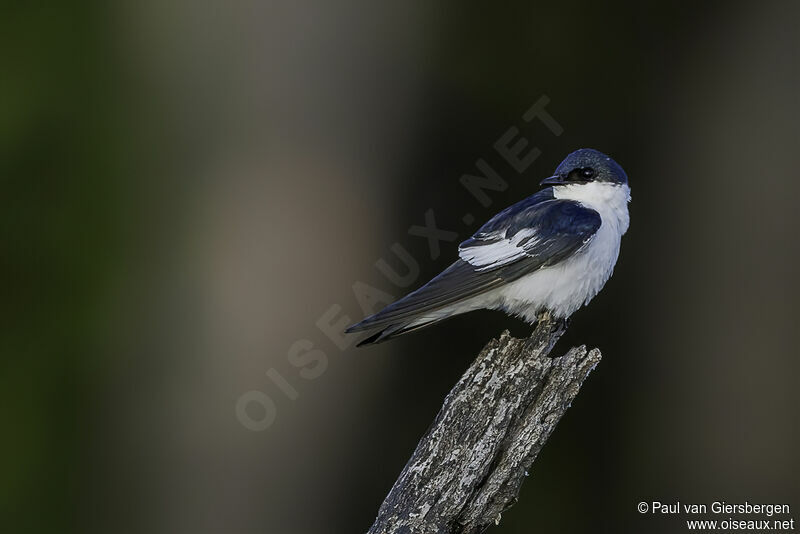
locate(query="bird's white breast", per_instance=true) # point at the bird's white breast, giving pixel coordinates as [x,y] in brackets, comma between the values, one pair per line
[565,287]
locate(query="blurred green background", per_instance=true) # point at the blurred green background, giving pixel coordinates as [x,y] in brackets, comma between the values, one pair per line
[189,186]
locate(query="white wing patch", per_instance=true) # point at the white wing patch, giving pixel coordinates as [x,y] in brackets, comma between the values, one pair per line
[498,253]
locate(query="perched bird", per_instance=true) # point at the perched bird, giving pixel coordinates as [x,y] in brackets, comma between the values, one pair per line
[553,251]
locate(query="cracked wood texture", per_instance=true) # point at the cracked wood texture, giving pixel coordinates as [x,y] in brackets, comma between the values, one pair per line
[470,465]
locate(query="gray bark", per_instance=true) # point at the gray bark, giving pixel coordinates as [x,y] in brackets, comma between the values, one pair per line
[470,465]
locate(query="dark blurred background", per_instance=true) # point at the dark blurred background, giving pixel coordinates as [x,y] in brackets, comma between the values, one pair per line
[189,187]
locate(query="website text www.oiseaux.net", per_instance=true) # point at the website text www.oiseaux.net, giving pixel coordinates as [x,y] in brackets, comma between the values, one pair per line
[773,516]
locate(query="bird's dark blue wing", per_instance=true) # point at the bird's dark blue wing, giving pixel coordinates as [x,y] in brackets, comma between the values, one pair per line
[534,233]
[539,234]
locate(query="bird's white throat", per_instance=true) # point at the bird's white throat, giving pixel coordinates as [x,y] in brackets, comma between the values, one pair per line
[609,200]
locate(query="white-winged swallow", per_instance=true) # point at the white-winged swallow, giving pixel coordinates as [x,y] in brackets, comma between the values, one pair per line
[553,251]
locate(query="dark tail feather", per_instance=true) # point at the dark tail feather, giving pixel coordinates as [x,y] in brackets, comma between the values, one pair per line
[457,283]
[394,330]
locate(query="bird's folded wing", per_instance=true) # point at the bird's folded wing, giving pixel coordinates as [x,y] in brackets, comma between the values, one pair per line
[516,242]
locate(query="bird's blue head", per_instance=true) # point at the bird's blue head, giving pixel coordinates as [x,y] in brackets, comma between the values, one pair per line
[587,166]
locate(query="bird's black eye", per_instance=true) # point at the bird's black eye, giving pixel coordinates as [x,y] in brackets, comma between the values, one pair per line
[580,174]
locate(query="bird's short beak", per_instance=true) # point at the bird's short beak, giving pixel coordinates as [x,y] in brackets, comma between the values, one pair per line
[553,180]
